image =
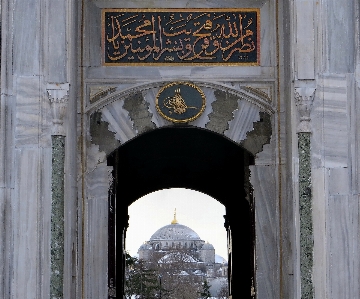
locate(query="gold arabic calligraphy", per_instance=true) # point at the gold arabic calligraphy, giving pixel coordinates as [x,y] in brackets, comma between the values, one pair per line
[153,36]
[176,103]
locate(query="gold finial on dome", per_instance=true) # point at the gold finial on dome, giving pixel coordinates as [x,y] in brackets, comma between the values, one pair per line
[174,220]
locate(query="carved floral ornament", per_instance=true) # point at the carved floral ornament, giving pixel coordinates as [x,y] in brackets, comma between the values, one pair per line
[59,96]
[105,95]
[304,98]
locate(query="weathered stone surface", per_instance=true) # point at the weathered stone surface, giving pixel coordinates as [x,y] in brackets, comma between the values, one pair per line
[26,38]
[28,111]
[263,180]
[340,21]
[341,246]
[139,113]
[222,111]
[244,117]
[260,135]
[119,121]
[57,218]
[100,134]
[25,216]
[306,222]
[330,122]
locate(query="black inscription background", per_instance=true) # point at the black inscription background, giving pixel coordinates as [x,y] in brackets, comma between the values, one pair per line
[192,98]
[133,37]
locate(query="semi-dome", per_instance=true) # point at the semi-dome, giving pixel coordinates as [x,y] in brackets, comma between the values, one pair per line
[207,246]
[145,246]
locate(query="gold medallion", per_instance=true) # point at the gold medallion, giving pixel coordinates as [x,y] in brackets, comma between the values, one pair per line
[180,102]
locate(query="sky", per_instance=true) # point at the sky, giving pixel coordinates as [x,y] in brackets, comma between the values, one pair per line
[198,211]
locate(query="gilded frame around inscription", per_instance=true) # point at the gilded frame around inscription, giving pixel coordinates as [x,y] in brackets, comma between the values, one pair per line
[180,102]
[140,36]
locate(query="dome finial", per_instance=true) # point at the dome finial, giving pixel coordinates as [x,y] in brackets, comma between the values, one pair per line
[174,220]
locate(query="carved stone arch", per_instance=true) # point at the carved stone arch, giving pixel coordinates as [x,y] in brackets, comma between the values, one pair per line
[240,113]
[108,94]
[115,116]
[194,158]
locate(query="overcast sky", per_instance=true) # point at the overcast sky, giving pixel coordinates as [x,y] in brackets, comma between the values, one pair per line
[200,212]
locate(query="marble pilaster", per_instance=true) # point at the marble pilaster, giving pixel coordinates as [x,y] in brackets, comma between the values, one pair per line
[304,98]
[57,217]
[306,222]
[267,231]
[58,96]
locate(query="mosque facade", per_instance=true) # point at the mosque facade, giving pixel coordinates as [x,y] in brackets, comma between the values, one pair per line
[171,240]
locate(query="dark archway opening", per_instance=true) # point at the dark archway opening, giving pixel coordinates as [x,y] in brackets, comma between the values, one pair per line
[193,158]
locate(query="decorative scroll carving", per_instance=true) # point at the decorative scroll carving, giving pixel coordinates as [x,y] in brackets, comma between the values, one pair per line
[98,92]
[59,96]
[304,99]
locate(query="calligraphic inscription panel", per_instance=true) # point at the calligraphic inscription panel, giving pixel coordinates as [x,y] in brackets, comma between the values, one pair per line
[181,36]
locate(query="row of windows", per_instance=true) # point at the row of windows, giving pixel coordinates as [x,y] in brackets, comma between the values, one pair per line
[174,245]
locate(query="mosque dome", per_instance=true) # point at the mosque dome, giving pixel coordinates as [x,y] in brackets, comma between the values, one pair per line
[174,232]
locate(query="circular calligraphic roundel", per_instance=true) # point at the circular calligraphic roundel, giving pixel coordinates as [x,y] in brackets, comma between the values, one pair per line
[180,102]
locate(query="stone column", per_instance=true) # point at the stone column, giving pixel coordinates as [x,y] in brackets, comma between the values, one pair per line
[304,98]
[58,96]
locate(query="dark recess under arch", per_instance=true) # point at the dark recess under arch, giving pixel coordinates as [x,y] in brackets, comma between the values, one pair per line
[193,158]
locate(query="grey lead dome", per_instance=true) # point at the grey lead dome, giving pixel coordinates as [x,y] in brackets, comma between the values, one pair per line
[174,232]
[207,246]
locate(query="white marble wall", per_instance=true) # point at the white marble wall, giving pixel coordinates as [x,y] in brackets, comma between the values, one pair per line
[331,122]
[29,60]
[334,142]
[41,44]
[335,195]
[96,231]
[264,178]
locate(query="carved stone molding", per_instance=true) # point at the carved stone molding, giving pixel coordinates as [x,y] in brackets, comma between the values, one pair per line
[304,98]
[111,94]
[357,73]
[59,96]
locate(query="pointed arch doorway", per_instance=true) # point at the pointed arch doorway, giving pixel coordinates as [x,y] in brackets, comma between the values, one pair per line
[193,158]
